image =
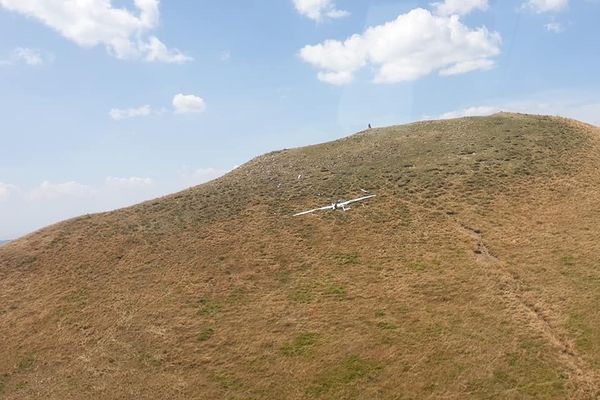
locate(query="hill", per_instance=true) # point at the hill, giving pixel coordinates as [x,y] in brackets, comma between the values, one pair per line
[474,273]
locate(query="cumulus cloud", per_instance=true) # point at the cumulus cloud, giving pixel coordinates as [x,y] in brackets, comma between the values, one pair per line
[336,78]
[24,209]
[131,182]
[470,112]
[121,114]
[318,10]
[28,56]
[555,27]
[567,105]
[205,174]
[188,104]
[155,50]
[5,190]
[192,177]
[49,190]
[459,7]
[24,55]
[96,22]
[413,45]
[467,66]
[75,190]
[542,6]
[182,104]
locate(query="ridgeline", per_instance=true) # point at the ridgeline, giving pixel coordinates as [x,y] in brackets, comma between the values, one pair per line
[474,273]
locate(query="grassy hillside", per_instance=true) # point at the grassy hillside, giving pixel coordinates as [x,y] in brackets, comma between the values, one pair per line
[474,273]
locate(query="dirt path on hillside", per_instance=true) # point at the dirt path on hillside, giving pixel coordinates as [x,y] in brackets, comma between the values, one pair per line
[585,379]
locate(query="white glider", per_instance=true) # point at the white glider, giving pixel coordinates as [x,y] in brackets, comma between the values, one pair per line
[336,206]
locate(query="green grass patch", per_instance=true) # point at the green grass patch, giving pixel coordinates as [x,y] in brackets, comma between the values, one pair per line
[300,345]
[346,258]
[527,373]
[568,260]
[346,372]
[227,381]
[417,266]
[206,334]
[208,307]
[3,380]
[337,291]
[26,364]
[387,326]
[586,336]
[512,359]
[304,295]
[148,359]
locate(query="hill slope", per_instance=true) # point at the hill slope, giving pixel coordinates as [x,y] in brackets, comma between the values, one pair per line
[475,273]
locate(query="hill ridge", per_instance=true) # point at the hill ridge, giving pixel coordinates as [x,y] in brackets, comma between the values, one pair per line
[473,274]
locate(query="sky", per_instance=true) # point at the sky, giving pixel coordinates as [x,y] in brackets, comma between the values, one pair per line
[104,103]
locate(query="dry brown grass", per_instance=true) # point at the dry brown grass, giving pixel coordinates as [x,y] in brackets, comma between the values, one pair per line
[475,273]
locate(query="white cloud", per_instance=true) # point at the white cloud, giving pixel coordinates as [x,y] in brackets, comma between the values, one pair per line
[319,9]
[555,27]
[120,114]
[96,22]
[459,7]
[470,112]
[585,112]
[192,177]
[24,55]
[336,78]
[467,66]
[566,105]
[48,190]
[155,50]
[187,104]
[413,45]
[131,182]
[5,191]
[26,209]
[182,104]
[225,55]
[542,6]
[28,56]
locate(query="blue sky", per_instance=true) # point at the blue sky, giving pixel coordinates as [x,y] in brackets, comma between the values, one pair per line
[104,104]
